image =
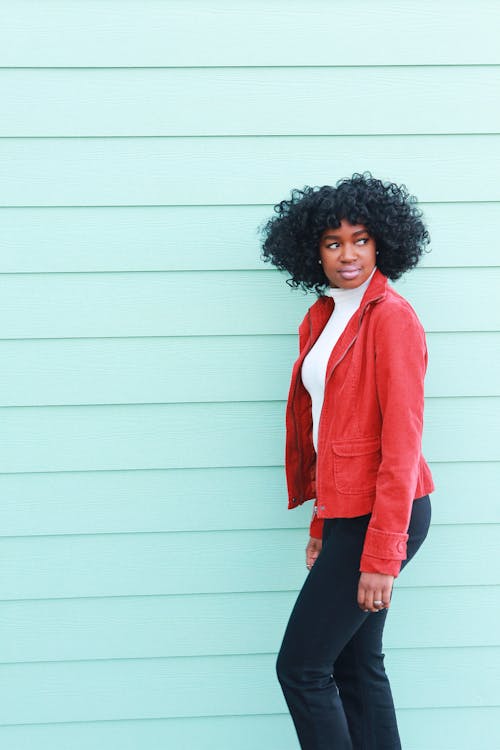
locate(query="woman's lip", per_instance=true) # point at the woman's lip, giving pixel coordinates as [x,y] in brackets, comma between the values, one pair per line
[349,272]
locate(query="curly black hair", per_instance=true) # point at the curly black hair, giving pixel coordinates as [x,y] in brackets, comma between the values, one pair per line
[388,211]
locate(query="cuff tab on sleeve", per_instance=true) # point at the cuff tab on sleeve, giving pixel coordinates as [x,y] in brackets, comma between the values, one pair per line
[316,527]
[385,544]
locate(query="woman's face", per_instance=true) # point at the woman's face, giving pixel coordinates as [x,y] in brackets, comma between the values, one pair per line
[348,255]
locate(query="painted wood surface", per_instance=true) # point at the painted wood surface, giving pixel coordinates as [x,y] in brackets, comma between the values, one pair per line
[198,499]
[238,170]
[153,436]
[146,352]
[165,563]
[248,101]
[128,370]
[197,238]
[166,304]
[205,686]
[133,627]
[419,728]
[193,33]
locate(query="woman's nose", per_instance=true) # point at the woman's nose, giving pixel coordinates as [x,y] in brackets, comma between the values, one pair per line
[348,252]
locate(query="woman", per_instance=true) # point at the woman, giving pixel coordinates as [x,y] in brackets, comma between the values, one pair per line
[354,427]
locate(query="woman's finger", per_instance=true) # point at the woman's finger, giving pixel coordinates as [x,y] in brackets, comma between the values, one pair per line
[365,598]
[369,600]
[386,595]
[378,600]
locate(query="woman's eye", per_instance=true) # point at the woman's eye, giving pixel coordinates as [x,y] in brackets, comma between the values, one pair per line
[333,245]
[364,240]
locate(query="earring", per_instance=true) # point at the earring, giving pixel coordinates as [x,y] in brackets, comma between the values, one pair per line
[319,261]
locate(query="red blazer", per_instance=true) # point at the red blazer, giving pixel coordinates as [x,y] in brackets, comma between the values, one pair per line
[369,456]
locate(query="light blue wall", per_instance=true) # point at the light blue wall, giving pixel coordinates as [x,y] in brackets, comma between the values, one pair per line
[148,563]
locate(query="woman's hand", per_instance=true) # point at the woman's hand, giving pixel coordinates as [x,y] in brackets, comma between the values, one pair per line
[374,591]
[312,551]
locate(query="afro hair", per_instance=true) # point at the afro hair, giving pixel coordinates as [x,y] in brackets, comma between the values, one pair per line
[388,211]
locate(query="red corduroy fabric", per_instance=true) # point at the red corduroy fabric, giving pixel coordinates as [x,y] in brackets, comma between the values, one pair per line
[369,457]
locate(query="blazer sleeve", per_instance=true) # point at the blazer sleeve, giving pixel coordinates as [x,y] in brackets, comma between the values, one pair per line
[316,526]
[400,365]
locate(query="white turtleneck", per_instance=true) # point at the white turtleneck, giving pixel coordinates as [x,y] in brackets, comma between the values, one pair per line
[314,366]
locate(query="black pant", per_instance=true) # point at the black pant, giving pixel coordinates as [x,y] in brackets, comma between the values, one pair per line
[331,665]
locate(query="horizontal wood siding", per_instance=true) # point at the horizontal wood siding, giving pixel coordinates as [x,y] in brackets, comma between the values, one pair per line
[134,627]
[419,727]
[148,560]
[221,101]
[147,688]
[153,238]
[131,369]
[238,170]
[165,304]
[176,33]
[197,499]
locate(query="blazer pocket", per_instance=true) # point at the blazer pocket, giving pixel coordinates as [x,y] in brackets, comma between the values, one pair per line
[356,464]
